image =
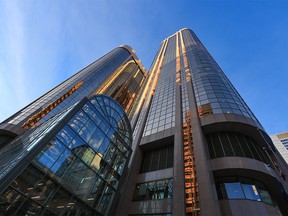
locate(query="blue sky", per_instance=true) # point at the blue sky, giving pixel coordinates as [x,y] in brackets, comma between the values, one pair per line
[43,43]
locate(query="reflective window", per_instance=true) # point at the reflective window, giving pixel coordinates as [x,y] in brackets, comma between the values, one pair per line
[234,190]
[162,111]
[213,91]
[242,188]
[251,192]
[79,169]
[51,153]
[153,190]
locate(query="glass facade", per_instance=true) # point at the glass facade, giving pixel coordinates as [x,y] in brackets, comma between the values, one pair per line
[125,85]
[90,83]
[78,162]
[214,93]
[116,74]
[162,111]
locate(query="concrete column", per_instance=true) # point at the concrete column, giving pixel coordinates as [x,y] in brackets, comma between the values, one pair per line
[178,171]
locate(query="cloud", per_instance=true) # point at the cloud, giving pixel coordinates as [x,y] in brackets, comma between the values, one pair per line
[14,45]
[32,37]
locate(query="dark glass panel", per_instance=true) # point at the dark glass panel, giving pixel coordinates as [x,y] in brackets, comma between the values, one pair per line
[148,160]
[43,191]
[30,208]
[170,156]
[217,145]
[11,200]
[163,158]
[59,201]
[236,145]
[264,194]
[26,181]
[105,199]
[226,144]
[86,184]
[253,147]
[244,146]
[155,158]
[153,190]
[210,146]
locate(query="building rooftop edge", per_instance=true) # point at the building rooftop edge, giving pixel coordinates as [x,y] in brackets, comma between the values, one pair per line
[183,29]
[133,53]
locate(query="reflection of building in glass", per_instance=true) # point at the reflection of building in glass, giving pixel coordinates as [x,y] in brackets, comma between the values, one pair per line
[70,164]
[222,161]
[281,143]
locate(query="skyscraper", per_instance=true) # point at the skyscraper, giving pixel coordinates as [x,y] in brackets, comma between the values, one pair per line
[118,73]
[191,145]
[198,148]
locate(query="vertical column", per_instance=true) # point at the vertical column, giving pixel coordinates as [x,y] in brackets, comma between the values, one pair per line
[178,181]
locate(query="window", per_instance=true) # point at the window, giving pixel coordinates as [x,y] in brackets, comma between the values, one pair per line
[234,190]
[251,192]
[242,188]
[157,159]
[227,143]
[153,190]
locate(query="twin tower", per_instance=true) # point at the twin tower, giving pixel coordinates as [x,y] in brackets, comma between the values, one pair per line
[114,139]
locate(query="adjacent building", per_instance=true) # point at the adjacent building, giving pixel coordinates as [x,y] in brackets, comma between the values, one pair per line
[115,140]
[280,141]
[118,74]
[65,153]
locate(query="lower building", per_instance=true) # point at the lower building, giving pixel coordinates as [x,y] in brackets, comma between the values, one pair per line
[280,141]
[70,165]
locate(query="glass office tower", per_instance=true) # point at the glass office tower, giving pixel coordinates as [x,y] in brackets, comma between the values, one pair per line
[198,148]
[119,74]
